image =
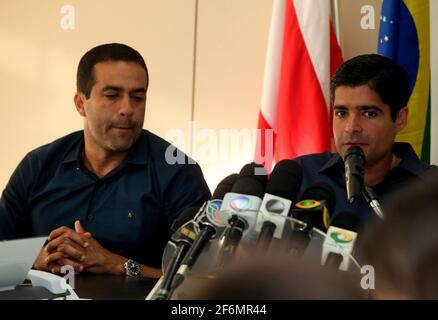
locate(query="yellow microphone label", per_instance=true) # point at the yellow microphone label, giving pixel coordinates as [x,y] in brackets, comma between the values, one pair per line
[307,204]
[341,236]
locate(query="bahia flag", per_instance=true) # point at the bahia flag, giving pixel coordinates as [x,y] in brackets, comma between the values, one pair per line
[295,113]
[405,37]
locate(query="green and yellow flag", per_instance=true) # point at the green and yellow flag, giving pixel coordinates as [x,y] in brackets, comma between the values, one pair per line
[405,37]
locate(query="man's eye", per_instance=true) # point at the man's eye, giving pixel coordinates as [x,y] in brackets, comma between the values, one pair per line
[138,98]
[370,114]
[340,113]
[111,96]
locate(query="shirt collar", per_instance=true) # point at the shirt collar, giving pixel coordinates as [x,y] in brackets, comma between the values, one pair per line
[334,161]
[403,150]
[410,160]
[74,152]
[138,154]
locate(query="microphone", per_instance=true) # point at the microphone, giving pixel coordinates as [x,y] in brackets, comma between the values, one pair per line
[339,242]
[187,215]
[317,203]
[241,205]
[314,209]
[176,248]
[354,162]
[282,187]
[225,186]
[211,225]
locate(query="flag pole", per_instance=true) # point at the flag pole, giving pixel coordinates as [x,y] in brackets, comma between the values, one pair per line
[336,21]
[192,109]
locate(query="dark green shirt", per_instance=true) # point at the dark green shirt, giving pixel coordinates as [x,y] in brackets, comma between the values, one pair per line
[128,211]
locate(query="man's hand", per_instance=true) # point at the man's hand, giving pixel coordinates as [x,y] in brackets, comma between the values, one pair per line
[41,264]
[65,247]
[80,250]
[100,260]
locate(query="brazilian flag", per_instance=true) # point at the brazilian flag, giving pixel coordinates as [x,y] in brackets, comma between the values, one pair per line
[404,36]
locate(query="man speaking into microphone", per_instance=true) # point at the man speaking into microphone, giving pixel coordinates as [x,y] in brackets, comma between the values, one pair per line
[370,94]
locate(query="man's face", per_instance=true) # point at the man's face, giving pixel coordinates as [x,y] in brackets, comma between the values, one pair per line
[114,112]
[361,118]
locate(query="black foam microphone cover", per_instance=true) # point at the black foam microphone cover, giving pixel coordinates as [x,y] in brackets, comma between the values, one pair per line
[251,180]
[224,186]
[347,220]
[187,215]
[285,179]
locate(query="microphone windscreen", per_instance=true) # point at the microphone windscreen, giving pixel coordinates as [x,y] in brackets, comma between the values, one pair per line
[224,186]
[321,191]
[251,180]
[185,216]
[354,150]
[347,220]
[285,179]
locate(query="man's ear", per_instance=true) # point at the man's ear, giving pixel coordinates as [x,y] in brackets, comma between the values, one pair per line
[79,100]
[402,119]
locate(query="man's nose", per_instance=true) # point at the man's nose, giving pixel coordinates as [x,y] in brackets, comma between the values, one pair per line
[353,124]
[126,108]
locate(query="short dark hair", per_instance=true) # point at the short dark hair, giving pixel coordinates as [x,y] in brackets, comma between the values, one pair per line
[383,75]
[104,52]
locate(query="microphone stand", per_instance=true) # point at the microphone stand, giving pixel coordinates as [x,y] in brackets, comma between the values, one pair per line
[165,290]
[152,294]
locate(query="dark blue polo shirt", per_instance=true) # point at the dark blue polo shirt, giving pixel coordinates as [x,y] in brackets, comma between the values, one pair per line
[329,168]
[128,211]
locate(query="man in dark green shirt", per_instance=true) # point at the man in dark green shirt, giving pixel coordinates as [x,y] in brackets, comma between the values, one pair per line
[106,196]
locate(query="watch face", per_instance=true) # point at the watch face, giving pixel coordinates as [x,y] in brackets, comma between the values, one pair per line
[132,268]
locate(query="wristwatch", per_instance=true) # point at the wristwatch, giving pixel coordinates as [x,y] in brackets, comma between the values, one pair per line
[132,268]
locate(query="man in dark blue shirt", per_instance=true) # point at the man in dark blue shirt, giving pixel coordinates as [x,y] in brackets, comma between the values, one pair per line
[370,95]
[106,196]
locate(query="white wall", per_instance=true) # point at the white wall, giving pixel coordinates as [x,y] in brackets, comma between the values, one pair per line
[356,40]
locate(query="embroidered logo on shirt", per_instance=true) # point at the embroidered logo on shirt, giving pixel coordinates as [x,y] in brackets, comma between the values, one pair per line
[130,215]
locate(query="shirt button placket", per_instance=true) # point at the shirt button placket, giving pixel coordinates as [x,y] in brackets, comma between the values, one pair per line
[90,216]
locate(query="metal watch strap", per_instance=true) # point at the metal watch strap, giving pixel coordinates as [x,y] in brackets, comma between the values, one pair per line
[132,268]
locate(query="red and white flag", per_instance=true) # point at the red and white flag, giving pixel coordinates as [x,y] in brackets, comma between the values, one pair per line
[302,56]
